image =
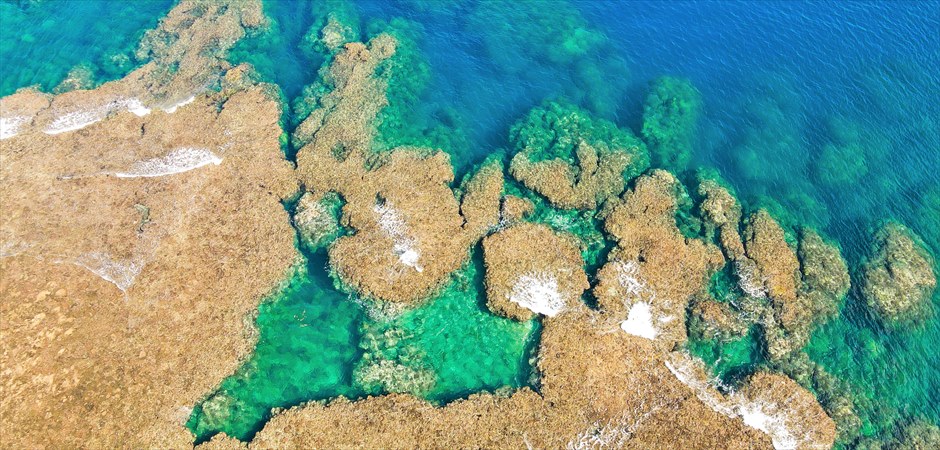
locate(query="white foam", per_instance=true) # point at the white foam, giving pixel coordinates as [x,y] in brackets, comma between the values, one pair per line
[628,277]
[172,108]
[135,106]
[391,222]
[538,292]
[767,418]
[748,280]
[177,161]
[755,416]
[76,120]
[640,321]
[10,126]
[119,273]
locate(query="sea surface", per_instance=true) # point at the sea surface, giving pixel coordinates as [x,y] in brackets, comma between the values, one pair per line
[826,112]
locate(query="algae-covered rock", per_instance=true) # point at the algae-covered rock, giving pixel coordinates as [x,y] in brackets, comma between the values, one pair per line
[480,202]
[335,24]
[777,264]
[573,159]
[917,435]
[388,376]
[171,223]
[532,269]
[317,220]
[80,77]
[898,278]
[187,50]
[654,270]
[713,320]
[670,114]
[778,406]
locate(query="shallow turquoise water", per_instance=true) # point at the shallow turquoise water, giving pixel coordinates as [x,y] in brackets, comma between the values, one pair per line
[830,110]
[41,41]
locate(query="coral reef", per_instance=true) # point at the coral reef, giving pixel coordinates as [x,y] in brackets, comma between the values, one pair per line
[669,118]
[515,33]
[574,160]
[115,258]
[898,277]
[532,269]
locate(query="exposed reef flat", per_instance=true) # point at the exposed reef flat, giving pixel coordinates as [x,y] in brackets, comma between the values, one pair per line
[125,298]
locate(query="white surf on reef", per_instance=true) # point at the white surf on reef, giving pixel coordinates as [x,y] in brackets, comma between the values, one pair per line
[177,161]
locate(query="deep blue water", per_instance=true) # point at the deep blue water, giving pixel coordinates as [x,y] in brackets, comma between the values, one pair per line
[781,82]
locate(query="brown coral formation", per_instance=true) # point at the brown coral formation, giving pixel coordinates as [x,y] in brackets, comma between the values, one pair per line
[771,403]
[653,264]
[791,415]
[132,252]
[514,209]
[410,230]
[804,288]
[898,278]
[825,276]
[778,267]
[721,212]
[532,269]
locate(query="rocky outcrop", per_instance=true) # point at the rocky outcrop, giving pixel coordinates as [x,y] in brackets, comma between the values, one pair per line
[134,249]
[654,270]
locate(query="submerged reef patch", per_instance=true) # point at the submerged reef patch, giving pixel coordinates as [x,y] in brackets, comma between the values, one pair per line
[574,160]
[898,277]
[670,114]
